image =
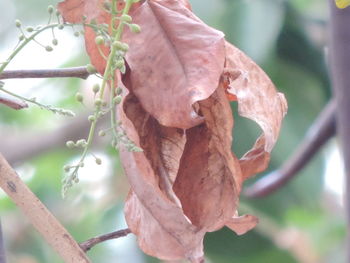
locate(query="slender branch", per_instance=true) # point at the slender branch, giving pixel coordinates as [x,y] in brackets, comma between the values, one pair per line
[318,134]
[88,244]
[40,217]
[2,247]
[13,103]
[340,62]
[75,72]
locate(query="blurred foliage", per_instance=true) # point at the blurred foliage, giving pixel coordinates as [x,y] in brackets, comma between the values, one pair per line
[286,38]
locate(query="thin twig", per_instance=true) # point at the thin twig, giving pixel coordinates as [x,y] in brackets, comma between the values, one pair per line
[2,247]
[75,72]
[88,244]
[318,134]
[39,216]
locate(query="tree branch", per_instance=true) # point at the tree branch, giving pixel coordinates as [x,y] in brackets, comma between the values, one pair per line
[75,72]
[13,103]
[318,134]
[2,247]
[40,217]
[340,62]
[88,244]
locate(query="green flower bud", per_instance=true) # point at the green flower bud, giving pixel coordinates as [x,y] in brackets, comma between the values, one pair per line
[66,168]
[135,28]
[30,29]
[81,143]
[70,144]
[101,133]
[18,23]
[57,13]
[104,104]
[96,88]
[50,9]
[81,164]
[54,42]
[60,27]
[98,161]
[99,40]
[126,18]
[48,48]
[125,47]
[76,34]
[92,118]
[21,37]
[118,91]
[98,102]
[90,68]
[117,99]
[119,63]
[79,97]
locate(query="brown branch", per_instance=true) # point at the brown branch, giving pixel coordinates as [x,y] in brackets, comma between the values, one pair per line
[33,144]
[13,103]
[88,244]
[2,247]
[340,63]
[75,72]
[318,134]
[40,217]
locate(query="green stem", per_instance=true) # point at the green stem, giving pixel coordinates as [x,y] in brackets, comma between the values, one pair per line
[24,43]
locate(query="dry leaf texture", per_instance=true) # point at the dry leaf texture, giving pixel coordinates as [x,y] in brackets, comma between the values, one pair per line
[181,75]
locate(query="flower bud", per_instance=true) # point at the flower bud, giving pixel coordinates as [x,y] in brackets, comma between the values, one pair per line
[99,40]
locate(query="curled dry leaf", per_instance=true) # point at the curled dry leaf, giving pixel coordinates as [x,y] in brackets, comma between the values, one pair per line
[181,75]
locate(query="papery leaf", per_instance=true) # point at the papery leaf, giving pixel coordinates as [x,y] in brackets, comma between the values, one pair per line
[182,61]
[259,101]
[153,211]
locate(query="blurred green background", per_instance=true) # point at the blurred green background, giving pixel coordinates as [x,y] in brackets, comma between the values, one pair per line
[302,222]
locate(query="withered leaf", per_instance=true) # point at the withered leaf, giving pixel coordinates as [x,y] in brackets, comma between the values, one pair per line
[184,60]
[259,101]
[181,75]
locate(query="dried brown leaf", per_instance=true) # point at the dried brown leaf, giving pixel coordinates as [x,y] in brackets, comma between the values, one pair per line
[175,61]
[259,101]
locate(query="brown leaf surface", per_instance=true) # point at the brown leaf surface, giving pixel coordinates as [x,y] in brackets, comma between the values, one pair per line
[259,101]
[73,11]
[181,57]
[180,77]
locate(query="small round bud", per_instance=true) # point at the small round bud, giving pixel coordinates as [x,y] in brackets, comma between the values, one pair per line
[57,13]
[135,28]
[118,91]
[98,161]
[18,23]
[117,99]
[60,27]
[76,34]
[104,104]
[48,48]
[66,168]
[125,47]
[50,9]
[117,44]
[81,164]
[96,88]
[99,40]
[54,42]
[70,144]
[81,143]
[79,97]
[21,37]
[92,118]
[98,102]
[29,29]
[119,63]
[90,68]
[101,133]
[126,18]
